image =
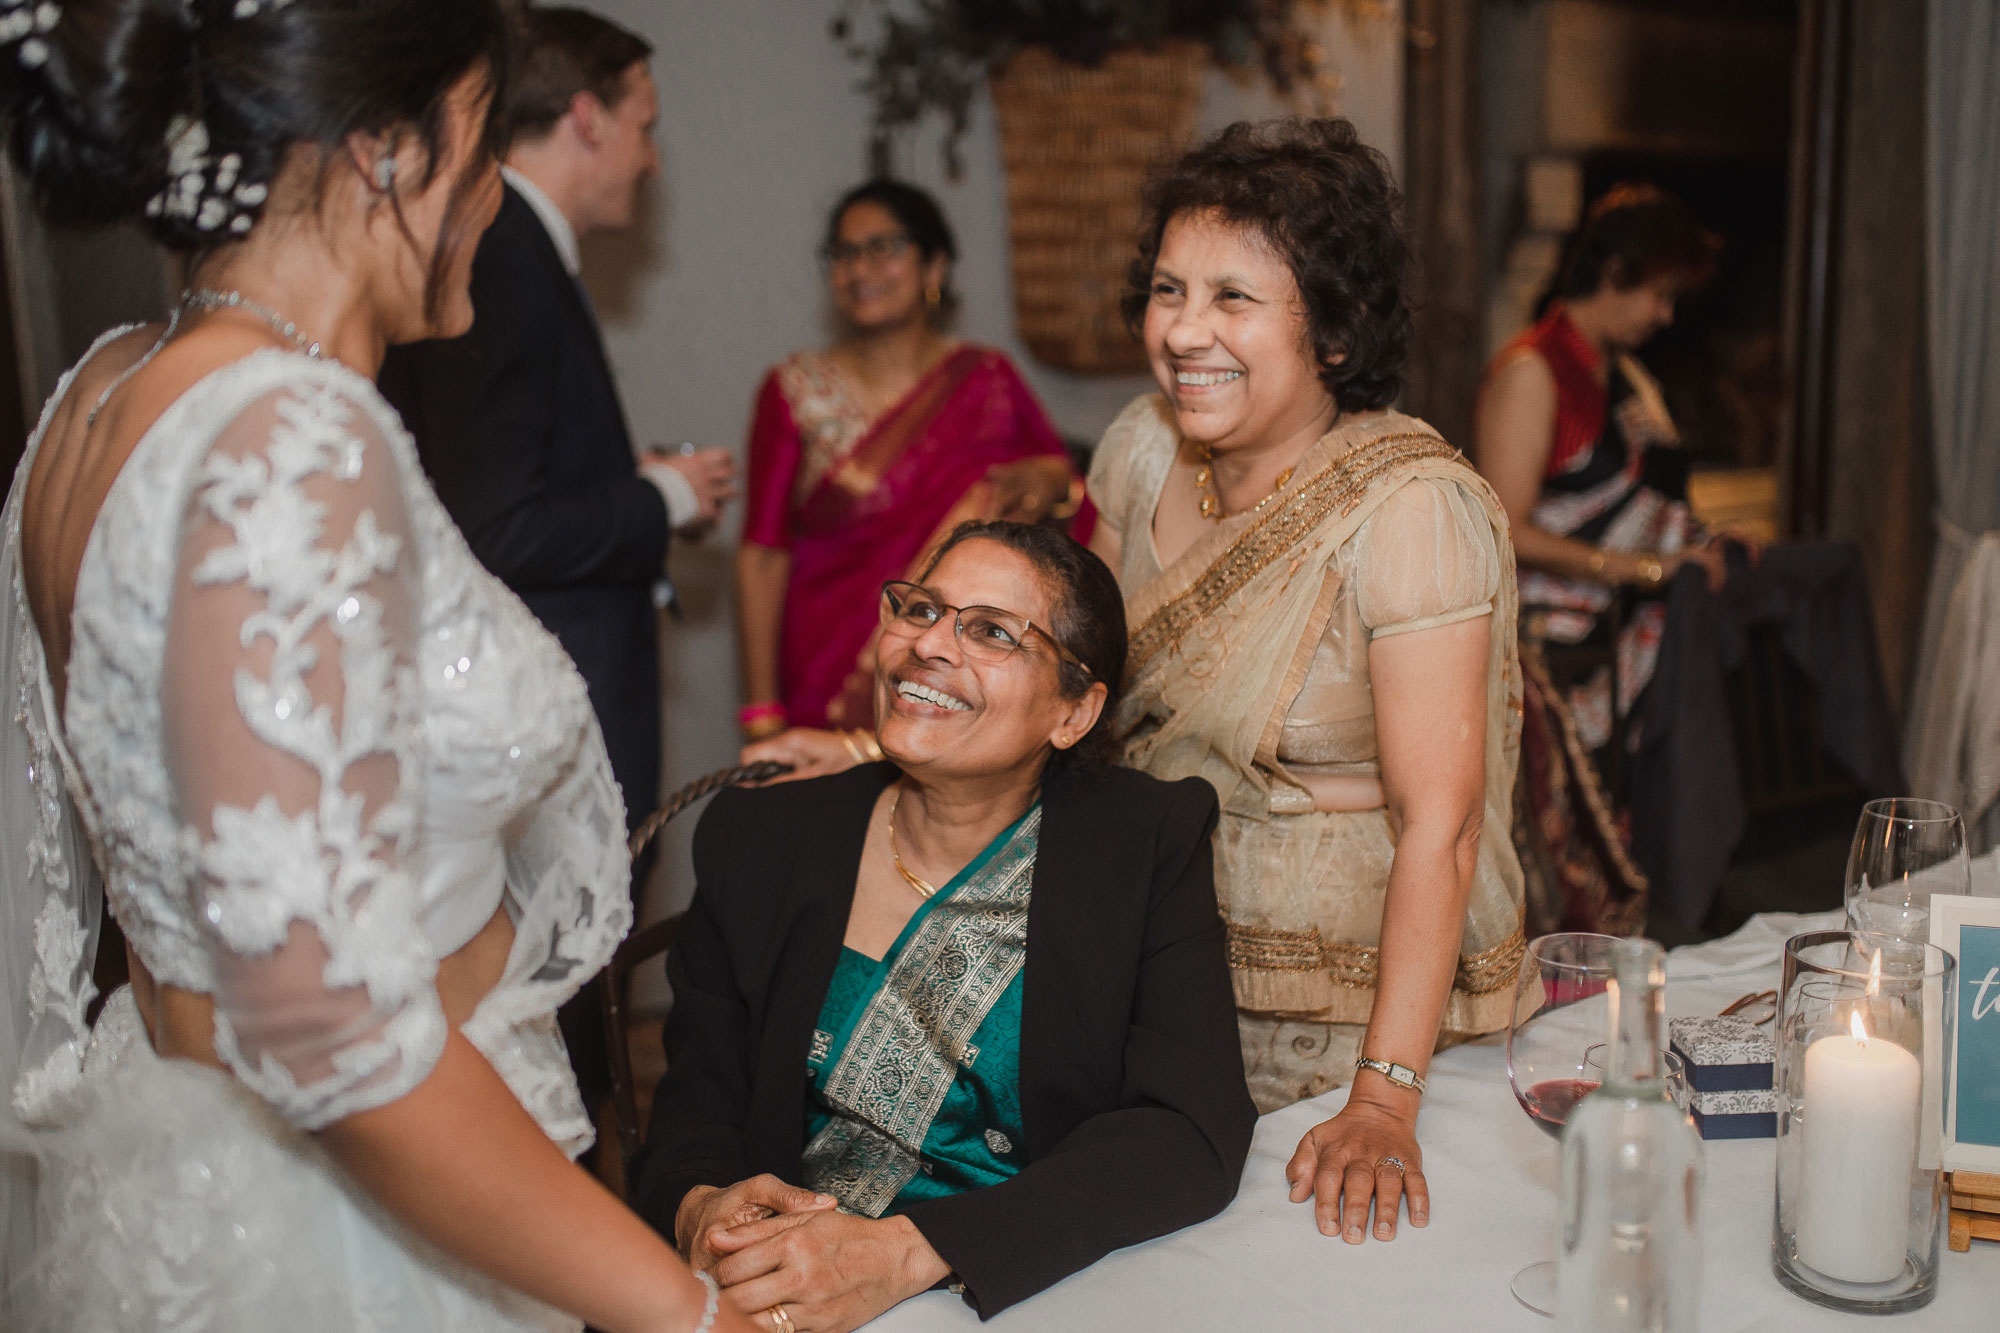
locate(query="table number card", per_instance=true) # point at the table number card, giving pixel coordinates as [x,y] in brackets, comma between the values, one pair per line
[1969,929]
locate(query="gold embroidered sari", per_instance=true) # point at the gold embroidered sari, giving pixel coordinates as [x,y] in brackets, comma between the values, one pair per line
[1249,667]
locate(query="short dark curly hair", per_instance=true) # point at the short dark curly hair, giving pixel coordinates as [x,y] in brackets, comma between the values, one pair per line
[1633,233]
[1328,205]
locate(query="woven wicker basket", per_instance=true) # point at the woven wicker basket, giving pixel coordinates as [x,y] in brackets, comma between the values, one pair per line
[1078,143]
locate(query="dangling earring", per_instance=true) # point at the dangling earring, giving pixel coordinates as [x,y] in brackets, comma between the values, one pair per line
[933,297]
[385,174]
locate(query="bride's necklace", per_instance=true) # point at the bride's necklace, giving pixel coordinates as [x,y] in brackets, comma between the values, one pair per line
[204,300]
[207,299]
[1211,501]
[923,886]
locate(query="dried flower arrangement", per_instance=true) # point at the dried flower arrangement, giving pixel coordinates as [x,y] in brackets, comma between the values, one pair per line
[933,55]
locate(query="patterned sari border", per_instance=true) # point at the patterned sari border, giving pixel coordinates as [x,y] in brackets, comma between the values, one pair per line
[1335,489]
[1358,967]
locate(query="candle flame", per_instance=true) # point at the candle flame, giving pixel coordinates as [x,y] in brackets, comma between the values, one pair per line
[1857,1027]
[1875,974]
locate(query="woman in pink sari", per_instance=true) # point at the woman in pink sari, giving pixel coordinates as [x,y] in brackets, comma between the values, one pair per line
[864,456]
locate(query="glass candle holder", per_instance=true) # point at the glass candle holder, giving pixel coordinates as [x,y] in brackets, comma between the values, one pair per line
[1863,1022]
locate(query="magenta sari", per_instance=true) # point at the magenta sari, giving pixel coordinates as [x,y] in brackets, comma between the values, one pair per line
[857,502]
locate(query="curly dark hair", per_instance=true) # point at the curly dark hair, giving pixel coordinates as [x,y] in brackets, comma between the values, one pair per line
[1088,613]
[1633,233]
[1328,204]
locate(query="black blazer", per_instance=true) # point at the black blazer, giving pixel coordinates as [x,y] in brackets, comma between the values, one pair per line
[1132,1092]
[519,426]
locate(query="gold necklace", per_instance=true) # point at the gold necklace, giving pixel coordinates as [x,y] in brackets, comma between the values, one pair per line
[923,887]
[1211,501]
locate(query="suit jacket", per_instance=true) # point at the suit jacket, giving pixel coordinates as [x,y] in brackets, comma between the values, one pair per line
[1132,1091]
[519,426]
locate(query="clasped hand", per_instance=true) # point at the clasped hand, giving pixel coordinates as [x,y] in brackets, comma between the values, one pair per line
[768,1243]
[1339,1165]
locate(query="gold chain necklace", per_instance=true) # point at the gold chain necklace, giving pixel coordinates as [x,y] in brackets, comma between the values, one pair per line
[923,887]
[1211,502]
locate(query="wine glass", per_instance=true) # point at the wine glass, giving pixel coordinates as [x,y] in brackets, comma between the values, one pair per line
[1561,1010]
[1905,850]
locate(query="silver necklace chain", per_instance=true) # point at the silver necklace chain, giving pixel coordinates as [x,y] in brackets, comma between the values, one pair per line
[205,300]
[208,299]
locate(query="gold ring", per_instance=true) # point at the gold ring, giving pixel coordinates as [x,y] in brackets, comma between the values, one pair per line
[1402,1168]
[780,1320]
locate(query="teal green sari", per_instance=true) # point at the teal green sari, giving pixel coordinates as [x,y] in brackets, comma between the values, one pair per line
[915,1067]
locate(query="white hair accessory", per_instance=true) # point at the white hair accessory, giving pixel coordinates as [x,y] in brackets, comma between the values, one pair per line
[28,23]
[203,189]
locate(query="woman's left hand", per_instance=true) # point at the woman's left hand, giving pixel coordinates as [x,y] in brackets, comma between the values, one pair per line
[830,1270]
[1339,1165]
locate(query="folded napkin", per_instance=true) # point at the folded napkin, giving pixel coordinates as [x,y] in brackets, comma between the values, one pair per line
[1758,946]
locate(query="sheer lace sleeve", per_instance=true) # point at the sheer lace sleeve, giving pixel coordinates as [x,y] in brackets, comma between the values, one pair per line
[291,736]
[1425,558]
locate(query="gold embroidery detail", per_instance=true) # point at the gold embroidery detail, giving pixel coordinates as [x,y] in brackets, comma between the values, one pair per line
[1337,488]
[1358,966]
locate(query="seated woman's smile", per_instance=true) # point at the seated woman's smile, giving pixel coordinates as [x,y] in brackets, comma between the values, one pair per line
[990,960]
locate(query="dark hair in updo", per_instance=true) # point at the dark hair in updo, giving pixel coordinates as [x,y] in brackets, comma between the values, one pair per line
[1327,204]
[89,124]
[1088,613]
[915,212]
[1633,233]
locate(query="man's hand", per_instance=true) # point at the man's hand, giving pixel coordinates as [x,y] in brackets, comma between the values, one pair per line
[709,474]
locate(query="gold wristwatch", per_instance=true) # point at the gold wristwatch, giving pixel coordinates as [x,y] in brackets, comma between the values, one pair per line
[1401,1075]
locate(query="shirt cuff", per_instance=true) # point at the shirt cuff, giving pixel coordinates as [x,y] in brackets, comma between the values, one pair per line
[682,505]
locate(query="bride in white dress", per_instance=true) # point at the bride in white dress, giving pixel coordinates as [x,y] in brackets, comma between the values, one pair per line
[345,797]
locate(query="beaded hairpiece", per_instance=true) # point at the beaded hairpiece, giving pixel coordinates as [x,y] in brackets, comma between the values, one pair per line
[26,24]
[201,188]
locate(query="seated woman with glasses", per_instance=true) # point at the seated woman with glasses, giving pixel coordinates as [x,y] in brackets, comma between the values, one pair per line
[864,456]
[962,1016]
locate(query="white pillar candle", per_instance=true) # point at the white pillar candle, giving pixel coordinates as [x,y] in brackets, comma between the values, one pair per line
[1857,1152]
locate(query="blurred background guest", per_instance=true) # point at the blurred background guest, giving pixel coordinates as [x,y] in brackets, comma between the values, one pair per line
[1323,606]
[975,994]
[1575,437]
[519,424]
[863,456]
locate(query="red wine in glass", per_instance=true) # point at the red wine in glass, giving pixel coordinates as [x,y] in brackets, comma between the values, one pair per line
[1548,1103]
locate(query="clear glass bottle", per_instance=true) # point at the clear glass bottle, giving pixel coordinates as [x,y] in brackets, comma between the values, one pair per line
[1628,1249]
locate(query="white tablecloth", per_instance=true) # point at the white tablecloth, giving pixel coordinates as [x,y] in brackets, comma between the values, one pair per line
[1261,1265]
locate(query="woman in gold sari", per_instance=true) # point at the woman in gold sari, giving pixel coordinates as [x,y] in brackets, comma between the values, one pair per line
[1322,597]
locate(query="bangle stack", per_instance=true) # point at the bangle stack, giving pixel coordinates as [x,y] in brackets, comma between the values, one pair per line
[760,721]
[863,746]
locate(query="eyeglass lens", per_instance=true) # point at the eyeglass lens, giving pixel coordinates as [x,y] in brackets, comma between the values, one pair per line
[985,631]
[875,249]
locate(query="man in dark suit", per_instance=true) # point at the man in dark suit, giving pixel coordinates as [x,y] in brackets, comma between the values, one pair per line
[519,423]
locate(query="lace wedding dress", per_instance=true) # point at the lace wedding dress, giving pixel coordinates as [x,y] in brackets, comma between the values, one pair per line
[308,747]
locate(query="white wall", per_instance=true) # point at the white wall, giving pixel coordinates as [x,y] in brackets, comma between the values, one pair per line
[761,130]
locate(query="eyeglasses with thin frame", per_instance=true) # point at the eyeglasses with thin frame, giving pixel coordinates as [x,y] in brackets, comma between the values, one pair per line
[985,632]
[875,249]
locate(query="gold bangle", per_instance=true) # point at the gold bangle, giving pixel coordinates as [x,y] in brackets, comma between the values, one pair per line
[869,750]
[853,750]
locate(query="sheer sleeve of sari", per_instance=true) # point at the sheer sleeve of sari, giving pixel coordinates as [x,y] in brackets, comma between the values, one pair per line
[1134,454]
[1426,557]
[774,463]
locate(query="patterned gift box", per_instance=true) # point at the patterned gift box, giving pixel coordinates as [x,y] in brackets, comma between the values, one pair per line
[1742,1114]
[1723,1054]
